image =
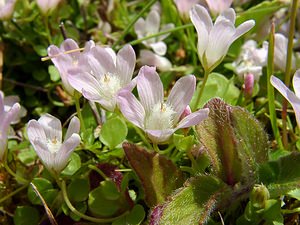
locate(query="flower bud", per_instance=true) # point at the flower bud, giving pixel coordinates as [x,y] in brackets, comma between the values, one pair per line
[259,196]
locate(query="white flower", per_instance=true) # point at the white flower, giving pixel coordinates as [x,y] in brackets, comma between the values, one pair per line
[184,6]
[45,135]
[151,59]
[150,26]
[280,52]
[159,118]
[215,39]
[7,116]
[251,60]
[218,6]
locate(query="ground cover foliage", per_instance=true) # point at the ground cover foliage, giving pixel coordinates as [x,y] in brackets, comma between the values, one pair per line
[149,112]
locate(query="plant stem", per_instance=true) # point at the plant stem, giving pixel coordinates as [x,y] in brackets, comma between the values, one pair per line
[12,173]
[77,105]
[271,98]
[142,136]
[132,22]
[206,73]
[81,215]
[138,41]
[288,69]
[13,193]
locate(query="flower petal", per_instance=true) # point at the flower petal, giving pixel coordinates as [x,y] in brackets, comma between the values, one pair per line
[43,153]
[149,87]
[243,28]
[220,39]
[165,27]
[296,83]
[9,117]
[159,136]
[151,59]
[181,95]
[203,24]
[289,95]
[52,127]
[159,48]
[74,127]
[139,28]
[152,22]
[125,64]
[131,108]
[193,118]
[105,60]
[35,131]
[70,44]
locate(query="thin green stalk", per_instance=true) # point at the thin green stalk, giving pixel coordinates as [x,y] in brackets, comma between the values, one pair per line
[271,98]
[206,73]
[81,215]
[12,173]
[288,68]
[138,41]
[13,193]
[77,105]
[142,136]
[132,22]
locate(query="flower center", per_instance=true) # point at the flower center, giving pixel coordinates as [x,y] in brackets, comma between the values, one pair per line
[110,84]
[53,145]
[161,117]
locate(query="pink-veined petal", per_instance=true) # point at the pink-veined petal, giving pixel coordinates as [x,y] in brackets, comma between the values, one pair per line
[193,118]
[203,24]
[220,39]
[149,87]
[296,83]
[74,127]
[35,131]
[10,117]
[289,95]
[104,59]
[125,64]
[70,44]
[131,108]
[52,127]
[151,59]
[152,22]
[181,95]
[159,136]
[243,28]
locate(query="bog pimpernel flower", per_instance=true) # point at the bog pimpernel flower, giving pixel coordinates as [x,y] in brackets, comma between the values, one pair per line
[150,26]
[7,9]
[108,74]
[149,58]
[64,61]
[184,6]
[159,118]
[293,98]
[218,6]
[215,39]
[7,116]
[45,135]
[47,6]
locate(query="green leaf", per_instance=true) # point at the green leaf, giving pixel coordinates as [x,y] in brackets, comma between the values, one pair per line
[135,217]
[183,143]
[113,132]
[217,85]
[235,142]
[27,155]
[110,190]
[159,176]
[73,166]
[26,215]
[81,207]
[194,203]
[78,190]
[54,74]
[99,205]
[46,190]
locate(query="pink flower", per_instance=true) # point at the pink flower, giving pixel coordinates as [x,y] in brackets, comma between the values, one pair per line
[108,74]
[6,118]
[66,61]
[45,135]
[218,6]
[7,9]
[46,6]
[159,118]
[293,98]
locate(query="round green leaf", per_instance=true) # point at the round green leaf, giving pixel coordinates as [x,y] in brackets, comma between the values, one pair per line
[99,205]
[54,74]
[78,190]
[110,190]
[26,215]
[45,188]
[73,166]
[81,207]
[113,132]
[136,216]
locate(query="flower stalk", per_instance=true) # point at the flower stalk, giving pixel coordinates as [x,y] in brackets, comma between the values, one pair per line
[78,110]
[288,69]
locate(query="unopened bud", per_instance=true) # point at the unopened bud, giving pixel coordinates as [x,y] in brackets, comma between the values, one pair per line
[259,195]
[248,85]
